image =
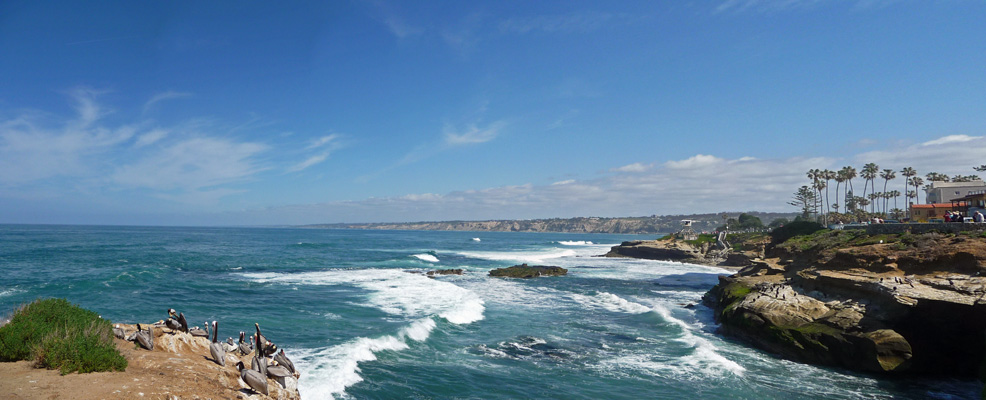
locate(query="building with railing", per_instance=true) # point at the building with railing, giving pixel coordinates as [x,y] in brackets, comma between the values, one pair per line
[944,192]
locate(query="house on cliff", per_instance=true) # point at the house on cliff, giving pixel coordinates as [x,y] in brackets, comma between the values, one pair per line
[928,212]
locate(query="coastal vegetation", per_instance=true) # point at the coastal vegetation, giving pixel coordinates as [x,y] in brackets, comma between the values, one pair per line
[56,334]
[815,204]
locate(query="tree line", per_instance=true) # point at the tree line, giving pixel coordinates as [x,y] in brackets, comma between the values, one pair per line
[814,200]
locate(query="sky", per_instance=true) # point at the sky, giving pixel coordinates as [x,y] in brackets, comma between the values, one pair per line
[273,113]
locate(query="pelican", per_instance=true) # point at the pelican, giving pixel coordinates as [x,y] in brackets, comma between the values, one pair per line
[118,332]
[278,371]
[283,360]
[244,347]
[172,324]
[145,338]
[253,379]
[259,364]
[218,353]
[183,322]
[264,347]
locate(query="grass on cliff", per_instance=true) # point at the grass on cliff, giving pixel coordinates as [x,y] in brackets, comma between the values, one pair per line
[56,334]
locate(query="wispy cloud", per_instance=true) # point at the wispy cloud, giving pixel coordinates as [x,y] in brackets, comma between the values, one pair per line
[951,139]
[192,164]
[325,146]
[168,95]
[472,134]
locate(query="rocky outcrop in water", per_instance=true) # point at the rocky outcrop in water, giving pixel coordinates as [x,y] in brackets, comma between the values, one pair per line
[886,303]
[671,249]
[525,271]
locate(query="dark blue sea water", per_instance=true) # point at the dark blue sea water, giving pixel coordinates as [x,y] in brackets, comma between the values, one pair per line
[359,323]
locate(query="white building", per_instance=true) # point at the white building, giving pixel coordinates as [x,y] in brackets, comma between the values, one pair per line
[944,192]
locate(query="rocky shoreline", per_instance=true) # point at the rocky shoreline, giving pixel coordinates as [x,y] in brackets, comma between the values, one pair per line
[890,303]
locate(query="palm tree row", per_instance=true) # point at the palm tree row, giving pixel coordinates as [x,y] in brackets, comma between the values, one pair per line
[851,203]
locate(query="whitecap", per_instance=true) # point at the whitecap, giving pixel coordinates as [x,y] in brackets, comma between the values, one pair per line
[426,257]
[476,239]
[610,302]
[575,242]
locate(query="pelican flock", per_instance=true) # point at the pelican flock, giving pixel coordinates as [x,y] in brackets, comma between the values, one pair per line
[267,360]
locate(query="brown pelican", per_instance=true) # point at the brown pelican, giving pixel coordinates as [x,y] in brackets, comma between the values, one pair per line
[145,338]
[183,322]
[259,364]
[278,371]
[218,353]
[283,360]
[253,379]
[244,347]
[264,347]
[199,332]
[118,332]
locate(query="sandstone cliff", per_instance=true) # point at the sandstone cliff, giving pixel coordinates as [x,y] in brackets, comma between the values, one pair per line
[885,303]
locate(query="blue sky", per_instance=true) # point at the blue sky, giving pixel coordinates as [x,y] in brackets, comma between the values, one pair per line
[184,113]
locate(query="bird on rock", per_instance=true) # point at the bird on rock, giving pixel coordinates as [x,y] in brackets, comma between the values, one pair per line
[216,348]
[145,338]
[244,347]
[283,360]
[253,379]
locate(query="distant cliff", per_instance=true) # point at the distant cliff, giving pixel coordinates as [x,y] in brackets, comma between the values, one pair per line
[626,225]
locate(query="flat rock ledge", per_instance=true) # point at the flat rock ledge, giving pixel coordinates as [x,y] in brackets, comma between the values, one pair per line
[867,308]
[526,271]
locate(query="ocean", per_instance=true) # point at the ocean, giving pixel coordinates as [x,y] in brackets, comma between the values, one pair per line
[359,318]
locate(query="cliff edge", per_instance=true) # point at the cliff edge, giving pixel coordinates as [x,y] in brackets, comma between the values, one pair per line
[892,303]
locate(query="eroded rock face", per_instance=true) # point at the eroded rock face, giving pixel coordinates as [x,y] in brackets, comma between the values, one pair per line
[525,271]
[665,250]
[876,307]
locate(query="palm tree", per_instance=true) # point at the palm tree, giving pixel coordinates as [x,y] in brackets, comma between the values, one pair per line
[911,194]
[819,185]
[840,176]
[936,177]
[917,182]
[828,175]
[849,173]
[907,173]
[869,173]
[895,194]
[813,175]
[887,175]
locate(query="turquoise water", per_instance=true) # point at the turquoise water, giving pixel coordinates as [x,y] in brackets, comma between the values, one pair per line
[359,325]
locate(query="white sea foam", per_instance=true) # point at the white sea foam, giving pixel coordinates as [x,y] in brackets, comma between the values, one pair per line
[395,292]
[704,357]
[329,371]
[575,242]
[426,257]
[610,302]
[8,292]
[476,239]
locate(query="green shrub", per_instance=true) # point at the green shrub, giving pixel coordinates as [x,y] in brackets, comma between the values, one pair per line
[57,334]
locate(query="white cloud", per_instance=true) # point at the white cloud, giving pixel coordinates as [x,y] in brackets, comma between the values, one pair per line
[565,182]
[310,161]
[951,139]
[697,161]
[472,134]
[632,168]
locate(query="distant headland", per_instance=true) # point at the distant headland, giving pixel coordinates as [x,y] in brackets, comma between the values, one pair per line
[621,225]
